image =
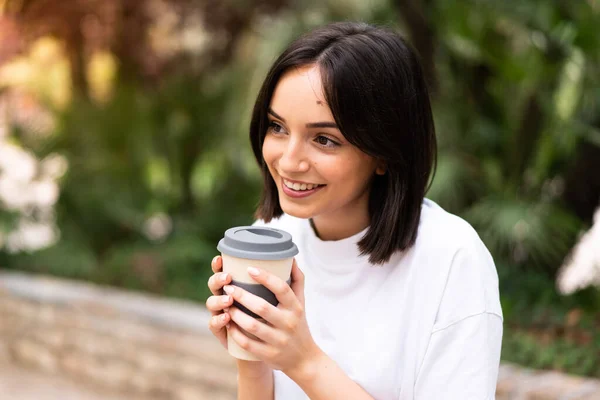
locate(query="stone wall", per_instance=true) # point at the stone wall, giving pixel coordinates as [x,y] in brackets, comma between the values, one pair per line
[130,343]
[153,348]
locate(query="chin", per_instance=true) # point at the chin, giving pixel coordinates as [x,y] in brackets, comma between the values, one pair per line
[296,211]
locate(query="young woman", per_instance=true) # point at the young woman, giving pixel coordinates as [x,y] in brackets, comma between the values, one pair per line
[391,296]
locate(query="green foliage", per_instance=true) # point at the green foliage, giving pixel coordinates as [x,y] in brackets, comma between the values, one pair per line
[513,105]
[170,151]
[69,258]
[519,230]
[8,220]
[546,330]
[530,295]
[558,354]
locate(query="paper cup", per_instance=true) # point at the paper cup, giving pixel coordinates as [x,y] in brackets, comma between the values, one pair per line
[248,246]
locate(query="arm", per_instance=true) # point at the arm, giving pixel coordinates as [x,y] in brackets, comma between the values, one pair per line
[324,379]
[253,384]
[255,379]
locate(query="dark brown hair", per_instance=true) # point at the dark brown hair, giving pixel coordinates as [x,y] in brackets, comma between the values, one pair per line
[374,85]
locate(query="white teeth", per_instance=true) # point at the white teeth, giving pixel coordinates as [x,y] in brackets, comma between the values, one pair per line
[299,186]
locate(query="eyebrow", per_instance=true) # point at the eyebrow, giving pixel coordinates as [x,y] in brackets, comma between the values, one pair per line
[310,124]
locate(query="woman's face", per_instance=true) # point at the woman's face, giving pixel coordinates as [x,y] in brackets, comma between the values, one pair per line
[317,172]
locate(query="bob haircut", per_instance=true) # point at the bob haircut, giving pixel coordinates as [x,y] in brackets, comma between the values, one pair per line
[374,85]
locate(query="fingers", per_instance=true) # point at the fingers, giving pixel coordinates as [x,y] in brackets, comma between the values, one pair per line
[279,287]
[217,281]
[297,281]
[218,322]
[217,264]
[257,305]
[262,350]
[217,326]
[216,304]
[258,328]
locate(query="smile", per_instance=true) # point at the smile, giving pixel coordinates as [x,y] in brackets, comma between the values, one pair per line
[300,186]
[298,190]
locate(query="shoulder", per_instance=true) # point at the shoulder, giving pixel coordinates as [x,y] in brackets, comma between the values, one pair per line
[439,229]
[446,238]
[459,256]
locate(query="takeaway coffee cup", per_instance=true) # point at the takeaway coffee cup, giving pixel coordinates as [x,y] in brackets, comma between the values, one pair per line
[252,246]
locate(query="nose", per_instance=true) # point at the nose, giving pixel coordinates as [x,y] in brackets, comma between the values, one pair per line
[294,158]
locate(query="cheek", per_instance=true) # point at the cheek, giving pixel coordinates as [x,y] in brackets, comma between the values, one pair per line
[270,155]
[351,174]
[268,151]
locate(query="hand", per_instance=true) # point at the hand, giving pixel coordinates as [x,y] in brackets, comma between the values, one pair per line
[285,340]
[218,303]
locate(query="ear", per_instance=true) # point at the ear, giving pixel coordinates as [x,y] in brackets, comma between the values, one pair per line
[381,168]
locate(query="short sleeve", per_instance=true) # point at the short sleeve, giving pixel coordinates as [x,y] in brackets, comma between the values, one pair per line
[462,360]
[463,354]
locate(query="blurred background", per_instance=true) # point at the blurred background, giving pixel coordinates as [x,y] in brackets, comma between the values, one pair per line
[124,152]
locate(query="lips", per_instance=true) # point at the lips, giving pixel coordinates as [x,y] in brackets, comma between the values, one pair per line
[291,192]
[299,186]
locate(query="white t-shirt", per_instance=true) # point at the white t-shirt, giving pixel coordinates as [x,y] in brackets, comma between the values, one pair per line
[427,325]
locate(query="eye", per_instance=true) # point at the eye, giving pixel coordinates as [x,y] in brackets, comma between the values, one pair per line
[324,141]
[275,127]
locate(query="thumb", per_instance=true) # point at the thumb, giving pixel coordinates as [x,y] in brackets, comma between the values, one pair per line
[297,284]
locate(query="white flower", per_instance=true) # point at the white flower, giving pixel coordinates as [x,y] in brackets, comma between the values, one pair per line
[158,226]
[45,193]
[582,267]
[30,195]
[16,163]
[14,195]
[31,236]
[54,166]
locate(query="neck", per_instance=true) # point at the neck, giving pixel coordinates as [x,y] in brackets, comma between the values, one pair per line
[338,227]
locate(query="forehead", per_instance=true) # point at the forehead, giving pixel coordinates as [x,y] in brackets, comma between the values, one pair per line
[299,95]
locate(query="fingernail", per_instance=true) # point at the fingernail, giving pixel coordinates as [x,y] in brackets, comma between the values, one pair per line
[222,317]
[226,299]
[223,277]
[214,260]
[228,289]
[253,271]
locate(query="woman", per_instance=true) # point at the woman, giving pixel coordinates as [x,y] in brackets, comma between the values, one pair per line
[391,296]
